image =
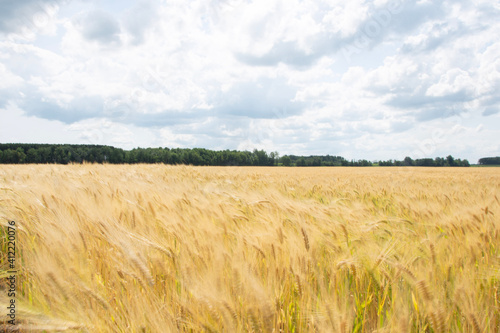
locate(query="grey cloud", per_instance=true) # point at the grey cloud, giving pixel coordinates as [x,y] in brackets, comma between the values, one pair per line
[413,14]
[165,118]
[139,19]
[79,109]
[489,111]
[436,111]
[401,126]
[431,114]
[99,26]
[86,107]
[146,114]
[4,100]
[266,98]
[16,15]
[419,100]
[494,97]
[423,108]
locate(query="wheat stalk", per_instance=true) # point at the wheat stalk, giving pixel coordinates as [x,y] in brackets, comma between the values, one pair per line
[306,238]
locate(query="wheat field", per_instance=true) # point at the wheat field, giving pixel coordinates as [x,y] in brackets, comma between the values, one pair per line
[156,248]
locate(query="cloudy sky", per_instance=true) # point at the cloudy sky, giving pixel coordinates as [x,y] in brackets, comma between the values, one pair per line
[363,79]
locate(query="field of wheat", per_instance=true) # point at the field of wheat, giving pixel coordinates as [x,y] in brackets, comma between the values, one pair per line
[155,248]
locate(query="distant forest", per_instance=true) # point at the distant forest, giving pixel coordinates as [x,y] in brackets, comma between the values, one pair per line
[63,154]
[490,160]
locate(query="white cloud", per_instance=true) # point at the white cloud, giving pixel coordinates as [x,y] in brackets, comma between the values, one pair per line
[102,131]
[367,80]
[139,19]
[9,79]
[452,82]
[345,17]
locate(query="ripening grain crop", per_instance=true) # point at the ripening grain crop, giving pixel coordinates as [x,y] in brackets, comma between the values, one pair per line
[155,248]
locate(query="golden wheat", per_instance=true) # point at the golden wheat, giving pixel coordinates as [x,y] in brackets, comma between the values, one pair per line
[155,248]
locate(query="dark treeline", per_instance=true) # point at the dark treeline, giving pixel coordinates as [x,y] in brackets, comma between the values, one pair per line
[64,154]
[327,160]
[429,162]
[490,160]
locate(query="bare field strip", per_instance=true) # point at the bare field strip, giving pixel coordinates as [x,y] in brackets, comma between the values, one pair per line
[155,248]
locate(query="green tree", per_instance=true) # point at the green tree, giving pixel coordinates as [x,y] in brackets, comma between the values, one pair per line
[10,156]
[439,161]
[274,158]
[425,162]
[21,156]
[174,158]
[450,160]
[262,158]
[408,161]
[46,155]
[286,160]
[33,156]
[61,155]
[301,162]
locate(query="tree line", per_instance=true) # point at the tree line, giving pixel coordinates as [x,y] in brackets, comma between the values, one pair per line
[449,161]
[490,160]
[63,154]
